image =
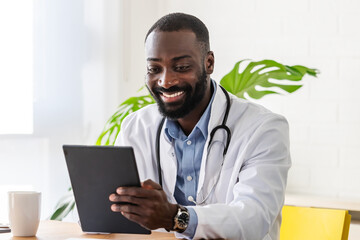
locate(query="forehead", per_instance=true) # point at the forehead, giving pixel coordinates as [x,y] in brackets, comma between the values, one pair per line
[165,45]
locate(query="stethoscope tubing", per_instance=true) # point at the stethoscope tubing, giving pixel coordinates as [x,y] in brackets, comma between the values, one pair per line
[222,126]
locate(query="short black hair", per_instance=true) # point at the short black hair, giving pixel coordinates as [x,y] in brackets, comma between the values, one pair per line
[181,21]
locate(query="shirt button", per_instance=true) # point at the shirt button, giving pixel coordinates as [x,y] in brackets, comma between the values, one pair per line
[188,142]
[189,178]
[190,198]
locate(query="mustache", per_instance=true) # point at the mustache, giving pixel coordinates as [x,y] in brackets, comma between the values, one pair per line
[171,89]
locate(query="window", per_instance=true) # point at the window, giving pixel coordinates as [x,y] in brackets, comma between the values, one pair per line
[16,67]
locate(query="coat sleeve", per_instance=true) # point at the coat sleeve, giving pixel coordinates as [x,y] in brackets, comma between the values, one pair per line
[259,192]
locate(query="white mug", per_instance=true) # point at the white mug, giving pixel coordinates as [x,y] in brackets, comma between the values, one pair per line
[24,212]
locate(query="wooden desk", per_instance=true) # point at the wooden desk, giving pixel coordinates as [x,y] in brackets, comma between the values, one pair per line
[55,230]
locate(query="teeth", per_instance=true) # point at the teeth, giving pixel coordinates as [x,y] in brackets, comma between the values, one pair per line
[172,95]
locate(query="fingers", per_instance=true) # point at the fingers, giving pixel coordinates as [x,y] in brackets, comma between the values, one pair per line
[147,205]
[146,217]
[145,190]
[136,195]
[131,209]
[124,199]
[127,208]
[147,184]
[135,192]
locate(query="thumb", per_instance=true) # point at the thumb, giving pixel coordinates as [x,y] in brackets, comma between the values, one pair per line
[150,184]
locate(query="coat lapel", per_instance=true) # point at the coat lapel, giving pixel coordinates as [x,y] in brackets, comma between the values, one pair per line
[168,165]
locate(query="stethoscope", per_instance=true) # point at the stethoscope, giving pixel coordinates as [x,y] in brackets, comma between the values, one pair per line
[212,133]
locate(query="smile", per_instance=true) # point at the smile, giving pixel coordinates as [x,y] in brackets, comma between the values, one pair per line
[173,94]
[172,97]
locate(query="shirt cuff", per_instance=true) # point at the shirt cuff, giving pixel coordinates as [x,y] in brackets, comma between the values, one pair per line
[190,230]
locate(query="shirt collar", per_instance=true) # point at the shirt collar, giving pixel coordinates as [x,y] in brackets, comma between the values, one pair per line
[173,130]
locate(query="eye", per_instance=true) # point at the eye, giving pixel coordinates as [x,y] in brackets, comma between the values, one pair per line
[153,69]
[182,68]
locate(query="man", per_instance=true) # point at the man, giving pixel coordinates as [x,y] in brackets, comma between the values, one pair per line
[234,193]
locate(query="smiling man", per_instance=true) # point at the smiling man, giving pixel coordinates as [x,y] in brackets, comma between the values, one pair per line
[212,165]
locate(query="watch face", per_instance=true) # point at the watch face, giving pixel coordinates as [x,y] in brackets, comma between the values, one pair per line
[183,220]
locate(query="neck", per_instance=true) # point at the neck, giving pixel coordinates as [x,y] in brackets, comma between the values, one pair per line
[188,122]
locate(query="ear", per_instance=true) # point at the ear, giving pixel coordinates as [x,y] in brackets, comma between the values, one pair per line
[209,62]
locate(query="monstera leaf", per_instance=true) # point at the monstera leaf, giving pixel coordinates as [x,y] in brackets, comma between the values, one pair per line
[113,125]
[270,75]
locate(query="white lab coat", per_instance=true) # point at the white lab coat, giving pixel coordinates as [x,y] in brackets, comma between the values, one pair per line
[247,200]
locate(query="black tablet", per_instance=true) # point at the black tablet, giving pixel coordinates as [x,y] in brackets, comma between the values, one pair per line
[95,172]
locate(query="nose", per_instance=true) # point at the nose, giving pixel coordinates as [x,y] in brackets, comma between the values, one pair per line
[167,79]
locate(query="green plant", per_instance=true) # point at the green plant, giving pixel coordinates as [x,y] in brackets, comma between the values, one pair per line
[113,125]
[65,205]
[272,77]
[261,74]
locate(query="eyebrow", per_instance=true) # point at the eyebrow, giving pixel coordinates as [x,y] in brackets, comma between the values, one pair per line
[181,57]
[174,59]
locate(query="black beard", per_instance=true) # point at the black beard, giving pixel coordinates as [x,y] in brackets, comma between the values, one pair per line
[191,100]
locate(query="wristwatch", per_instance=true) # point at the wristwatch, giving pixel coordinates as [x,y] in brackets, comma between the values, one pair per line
[181,219]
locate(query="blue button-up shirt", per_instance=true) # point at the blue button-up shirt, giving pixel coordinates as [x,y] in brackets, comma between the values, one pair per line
[189,150]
